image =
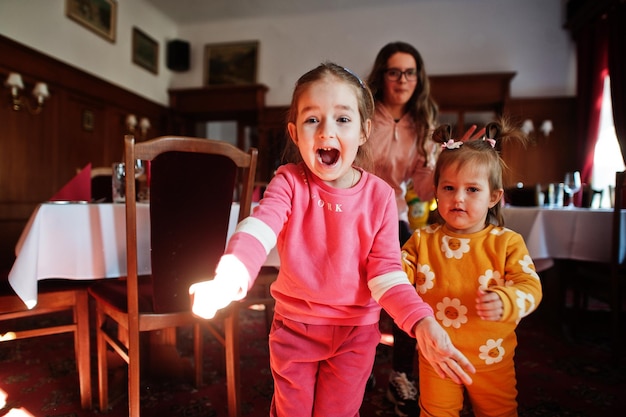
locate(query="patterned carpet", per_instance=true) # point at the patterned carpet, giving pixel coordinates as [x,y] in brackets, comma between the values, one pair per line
[557,376]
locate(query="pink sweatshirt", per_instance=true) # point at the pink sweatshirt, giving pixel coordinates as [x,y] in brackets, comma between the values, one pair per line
[397,159]
[339,254]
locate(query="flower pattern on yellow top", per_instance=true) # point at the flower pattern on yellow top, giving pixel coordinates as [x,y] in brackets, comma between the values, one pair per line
[525,263]
[489,279]
[424,279]
[492,352]
[454,247]
[451,312]
[525,304]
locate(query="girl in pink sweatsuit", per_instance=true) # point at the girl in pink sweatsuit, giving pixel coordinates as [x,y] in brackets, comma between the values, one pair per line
[335,228]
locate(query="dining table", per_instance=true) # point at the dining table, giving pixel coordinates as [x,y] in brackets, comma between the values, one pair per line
[84,241]
[560,240]
[572,233]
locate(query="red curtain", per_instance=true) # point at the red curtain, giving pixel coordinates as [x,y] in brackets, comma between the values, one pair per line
[617,69]
[592,67]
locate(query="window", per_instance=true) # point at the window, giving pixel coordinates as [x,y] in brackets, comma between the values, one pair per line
[608,156]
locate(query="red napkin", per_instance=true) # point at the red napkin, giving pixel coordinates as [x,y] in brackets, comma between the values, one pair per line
[78,189]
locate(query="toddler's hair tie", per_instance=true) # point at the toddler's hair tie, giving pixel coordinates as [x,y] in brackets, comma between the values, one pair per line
[451,144]
[492,142]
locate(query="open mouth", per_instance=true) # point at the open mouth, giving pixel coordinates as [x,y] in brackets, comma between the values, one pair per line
[328,156]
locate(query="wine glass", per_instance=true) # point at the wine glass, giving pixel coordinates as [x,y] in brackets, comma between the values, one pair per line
[140,168]
[571,185]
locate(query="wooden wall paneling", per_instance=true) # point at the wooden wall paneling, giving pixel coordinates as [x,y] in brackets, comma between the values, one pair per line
[27,143]
[82,144]
[272,138]
[546,159]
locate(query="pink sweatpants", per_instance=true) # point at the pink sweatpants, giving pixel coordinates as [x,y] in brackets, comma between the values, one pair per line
[320,370]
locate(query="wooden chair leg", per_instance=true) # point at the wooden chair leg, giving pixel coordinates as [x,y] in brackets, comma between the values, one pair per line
[231,338]
[103,376]
[616,312]
[134,374]
[198,354]
[81,342]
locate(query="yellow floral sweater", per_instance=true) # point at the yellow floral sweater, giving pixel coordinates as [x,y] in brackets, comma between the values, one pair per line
[447,270]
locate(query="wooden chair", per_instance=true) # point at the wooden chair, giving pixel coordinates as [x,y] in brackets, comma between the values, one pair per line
[604,282]
[54,296]
[591,196]
[193,182]
[618,266]
[520,196]
[101,190]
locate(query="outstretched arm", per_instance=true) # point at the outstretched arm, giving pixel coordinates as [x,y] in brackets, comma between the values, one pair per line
[435,344]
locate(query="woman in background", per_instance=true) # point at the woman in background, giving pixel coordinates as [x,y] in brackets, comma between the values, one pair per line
[403,150]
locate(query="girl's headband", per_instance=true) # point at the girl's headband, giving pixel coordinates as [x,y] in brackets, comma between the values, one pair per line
[349,71]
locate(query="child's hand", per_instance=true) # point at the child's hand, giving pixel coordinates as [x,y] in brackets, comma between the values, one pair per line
[435,344]
[230,284]
[471,134]
[207,298]
[489,305]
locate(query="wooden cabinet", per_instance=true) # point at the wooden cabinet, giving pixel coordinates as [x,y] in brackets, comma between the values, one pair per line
[466,99]
[244,104]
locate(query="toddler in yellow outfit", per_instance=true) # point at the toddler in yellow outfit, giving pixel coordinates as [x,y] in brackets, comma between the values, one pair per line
[476,275]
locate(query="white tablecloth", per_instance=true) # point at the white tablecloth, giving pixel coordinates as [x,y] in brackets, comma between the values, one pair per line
[564,233]
[83,241]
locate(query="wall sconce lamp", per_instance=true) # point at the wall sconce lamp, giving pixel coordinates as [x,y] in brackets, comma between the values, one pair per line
[546,127]
[144,125]
[40,92]
[528,126]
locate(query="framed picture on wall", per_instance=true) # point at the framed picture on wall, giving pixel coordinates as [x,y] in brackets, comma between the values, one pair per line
[231,63]
[99,16]
[145,51]
[88,120]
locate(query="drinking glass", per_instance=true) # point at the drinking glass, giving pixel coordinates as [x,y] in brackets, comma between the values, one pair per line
[119,182]
[140,168]
[572,185]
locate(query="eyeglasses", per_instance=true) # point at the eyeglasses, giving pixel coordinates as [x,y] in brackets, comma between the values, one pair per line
[395,74]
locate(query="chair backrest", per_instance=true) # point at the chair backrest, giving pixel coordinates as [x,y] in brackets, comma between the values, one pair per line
[520,196]
[101,184]
[591,195]
[193,183]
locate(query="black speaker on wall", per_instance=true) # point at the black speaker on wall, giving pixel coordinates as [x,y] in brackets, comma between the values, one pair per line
[178,55]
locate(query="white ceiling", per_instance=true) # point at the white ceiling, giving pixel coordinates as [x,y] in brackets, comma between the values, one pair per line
[194,11]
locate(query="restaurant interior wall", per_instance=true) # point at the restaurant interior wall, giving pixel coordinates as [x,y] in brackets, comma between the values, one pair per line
[498,35]
[44,26]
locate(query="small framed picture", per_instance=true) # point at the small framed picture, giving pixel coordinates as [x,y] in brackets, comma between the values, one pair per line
[88,120]
[231,63]
[145,51]
[99,16]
